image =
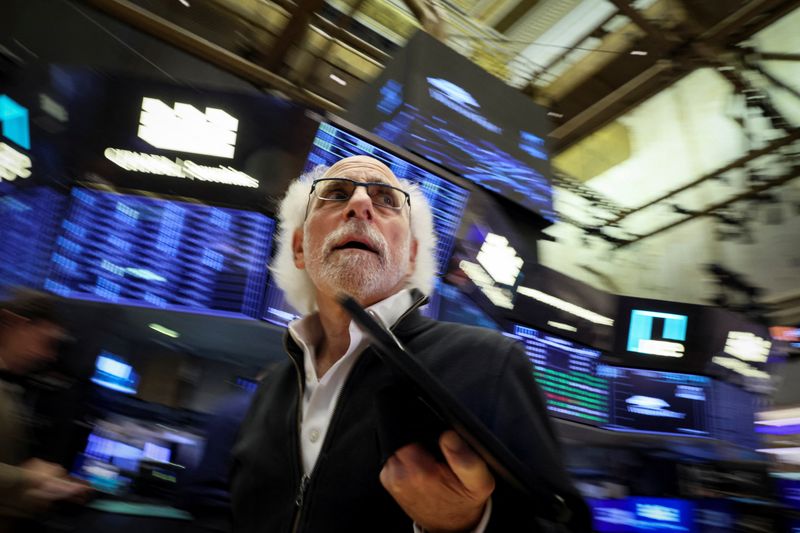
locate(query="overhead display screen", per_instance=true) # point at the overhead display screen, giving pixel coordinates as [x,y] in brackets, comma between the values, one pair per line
[161,253]
[438,104]
[567,374]
[657,333]
[447,199]
[658,402]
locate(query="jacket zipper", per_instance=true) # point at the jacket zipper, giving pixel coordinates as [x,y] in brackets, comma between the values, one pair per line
[305,479]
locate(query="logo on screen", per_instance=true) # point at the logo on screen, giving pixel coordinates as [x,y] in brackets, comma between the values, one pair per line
[649,406]
[184,128]
[14,120]
[459,100]
[655,333]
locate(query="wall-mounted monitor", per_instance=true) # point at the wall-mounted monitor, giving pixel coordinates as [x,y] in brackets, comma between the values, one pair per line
[654,401]
[438,104]
[113,372]
[567,373]
[661,335]
[161,253]
[335,141]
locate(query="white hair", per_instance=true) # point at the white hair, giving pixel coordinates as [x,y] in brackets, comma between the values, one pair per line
[296,284]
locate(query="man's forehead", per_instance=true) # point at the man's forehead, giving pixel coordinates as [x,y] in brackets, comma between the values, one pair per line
[362,168]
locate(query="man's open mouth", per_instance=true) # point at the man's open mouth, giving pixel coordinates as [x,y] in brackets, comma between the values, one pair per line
[355,245]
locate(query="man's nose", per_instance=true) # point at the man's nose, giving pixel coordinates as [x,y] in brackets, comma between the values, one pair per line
[360,205]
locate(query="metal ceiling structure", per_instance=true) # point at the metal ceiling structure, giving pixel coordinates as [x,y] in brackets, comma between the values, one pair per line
[630,55]
[588,61]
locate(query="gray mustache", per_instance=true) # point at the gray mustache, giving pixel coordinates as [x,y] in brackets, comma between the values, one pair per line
[357,228]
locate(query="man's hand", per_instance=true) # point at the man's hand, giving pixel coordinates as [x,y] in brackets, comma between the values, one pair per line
[439,497]
[48,482]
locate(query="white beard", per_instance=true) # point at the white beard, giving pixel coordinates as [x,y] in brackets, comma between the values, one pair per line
[359,273]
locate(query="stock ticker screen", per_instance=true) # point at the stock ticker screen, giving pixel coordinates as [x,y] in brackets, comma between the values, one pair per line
[567,374]
[161,253]
[655,401]
[447,199]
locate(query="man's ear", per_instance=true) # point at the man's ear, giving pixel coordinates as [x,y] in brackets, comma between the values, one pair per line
[412,257]
[297,249]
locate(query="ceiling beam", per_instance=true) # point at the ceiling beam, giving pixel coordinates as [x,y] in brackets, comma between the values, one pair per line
[736,163]
[205,50]
[517,12]
[292,33]
[793,173]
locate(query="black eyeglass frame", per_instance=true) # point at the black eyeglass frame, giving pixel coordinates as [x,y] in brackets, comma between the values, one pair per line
[356,184]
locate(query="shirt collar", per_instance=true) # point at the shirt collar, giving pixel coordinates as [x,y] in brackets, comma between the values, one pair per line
[307,331]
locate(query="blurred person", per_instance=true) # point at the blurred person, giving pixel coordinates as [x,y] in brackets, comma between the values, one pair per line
[29,335]
[308,457]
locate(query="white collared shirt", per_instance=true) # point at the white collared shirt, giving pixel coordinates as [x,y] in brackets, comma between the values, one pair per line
[321,394]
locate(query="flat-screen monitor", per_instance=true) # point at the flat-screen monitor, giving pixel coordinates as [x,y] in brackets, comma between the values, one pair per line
[113,372]
[161,253]
[567,373]
[662,335]
[334,142]
[638,514]
[438,104]
[655,401]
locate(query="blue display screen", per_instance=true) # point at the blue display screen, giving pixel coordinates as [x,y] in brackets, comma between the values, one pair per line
[447,200]
[638,514]
[161,253]
[658,402]
[567,374]
[436,103]
[455,306]
[29,219]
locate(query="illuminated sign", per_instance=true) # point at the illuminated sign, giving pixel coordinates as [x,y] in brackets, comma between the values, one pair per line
[163,166]
[747,346]
[185,128]
[565,306]
[499,296]
[667,328]
[499,259]
[14,120]
[459,100]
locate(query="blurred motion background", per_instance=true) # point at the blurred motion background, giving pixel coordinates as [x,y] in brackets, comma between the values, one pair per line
[613,183]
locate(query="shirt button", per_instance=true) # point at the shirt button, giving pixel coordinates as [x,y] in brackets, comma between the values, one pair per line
[313,435]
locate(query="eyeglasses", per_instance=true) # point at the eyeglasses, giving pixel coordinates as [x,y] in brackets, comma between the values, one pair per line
[383,196]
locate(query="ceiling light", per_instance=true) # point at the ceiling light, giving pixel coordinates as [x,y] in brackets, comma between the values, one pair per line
[638,52]
[164,330]
[337,79]
[561,325]
[185,3]
[565,306]
[555,115]
[780,451]
[725,68]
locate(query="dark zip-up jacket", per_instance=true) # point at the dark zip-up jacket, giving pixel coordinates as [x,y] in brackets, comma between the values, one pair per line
[488,373]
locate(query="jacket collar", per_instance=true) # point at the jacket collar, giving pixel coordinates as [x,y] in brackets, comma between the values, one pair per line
[408,322]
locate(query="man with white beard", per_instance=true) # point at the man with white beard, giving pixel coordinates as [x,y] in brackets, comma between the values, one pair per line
[309,457]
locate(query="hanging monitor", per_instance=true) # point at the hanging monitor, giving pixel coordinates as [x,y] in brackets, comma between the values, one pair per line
[441,106]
